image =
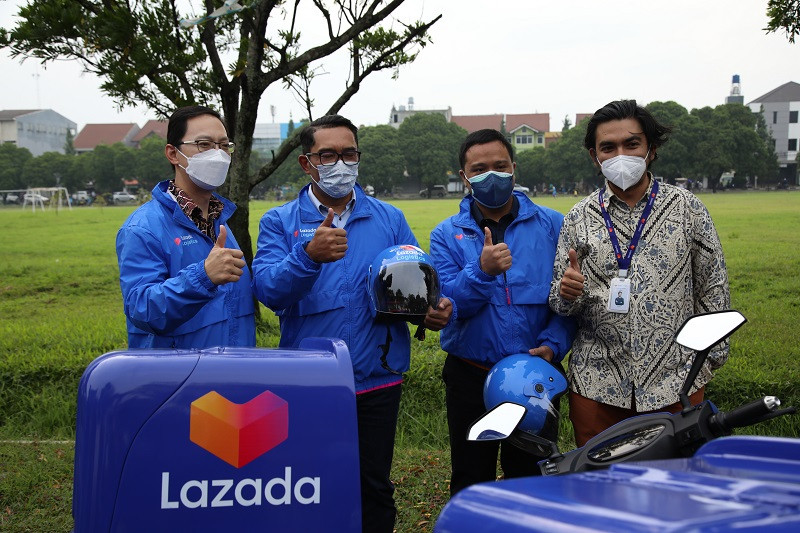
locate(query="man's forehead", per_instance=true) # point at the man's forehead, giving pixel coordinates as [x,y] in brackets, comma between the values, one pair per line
[619,130]
[205,125]
[487,152]
[333,138]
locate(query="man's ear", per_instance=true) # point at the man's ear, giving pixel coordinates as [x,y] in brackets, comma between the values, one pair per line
[304,163]
[171,153]
[465,181]
[652,156]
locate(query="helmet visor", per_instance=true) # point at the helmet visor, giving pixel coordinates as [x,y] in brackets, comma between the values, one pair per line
[406,289]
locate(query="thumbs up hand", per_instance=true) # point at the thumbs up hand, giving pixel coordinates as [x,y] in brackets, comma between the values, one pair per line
[495,258]
[328,244]
[223,265]
[573,280]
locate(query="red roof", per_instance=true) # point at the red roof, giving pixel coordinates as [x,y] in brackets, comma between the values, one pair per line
[478,122]
[152,127]
[537,121]
[94,134]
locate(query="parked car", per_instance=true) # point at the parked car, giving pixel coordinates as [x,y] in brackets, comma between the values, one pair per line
[122,197]
[35,197]
[439,191]
[82,198]
[522,189]
[369,190]
[13,198]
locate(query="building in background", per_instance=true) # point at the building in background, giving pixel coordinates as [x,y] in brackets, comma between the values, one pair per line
[527,131]
[781,107]
[478,122]
[268,137]
[399,114]
[151,128]
[38,130]
[93,135]
[736,96]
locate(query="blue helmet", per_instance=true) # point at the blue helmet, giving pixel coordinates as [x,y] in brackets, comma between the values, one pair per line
[532,382]
[402,283]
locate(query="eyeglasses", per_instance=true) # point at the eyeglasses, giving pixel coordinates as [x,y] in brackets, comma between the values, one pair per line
[330,158]
[202,146]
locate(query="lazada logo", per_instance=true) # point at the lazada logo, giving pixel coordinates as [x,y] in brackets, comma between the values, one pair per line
[239,433]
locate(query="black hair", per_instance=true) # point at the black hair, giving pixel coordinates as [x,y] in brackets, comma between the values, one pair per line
[655,132]
[483,137]
[176,128]
[326,121]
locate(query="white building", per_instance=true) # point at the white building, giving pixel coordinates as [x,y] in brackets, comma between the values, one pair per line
[399,114]
[38,130]
[268,137]
[781,107]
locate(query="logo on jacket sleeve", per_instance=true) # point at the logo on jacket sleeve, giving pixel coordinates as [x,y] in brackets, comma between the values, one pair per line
[239,433]
[459,236]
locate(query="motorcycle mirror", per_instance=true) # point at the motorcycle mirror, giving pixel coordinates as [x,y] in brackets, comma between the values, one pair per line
[701,332]
[498,423]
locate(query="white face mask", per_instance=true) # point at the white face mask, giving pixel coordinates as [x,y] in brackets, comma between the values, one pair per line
[624,171]
[207,169]
[337,180]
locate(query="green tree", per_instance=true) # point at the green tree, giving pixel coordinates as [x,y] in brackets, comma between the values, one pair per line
[723,139]
[149,161]
[430,147]
[102,170]
[673,156]
[382,161]
[531,167]
[124,163]
[784,15]
[145,56]
[42,171]
[567,161]
[69,145]
[12,162]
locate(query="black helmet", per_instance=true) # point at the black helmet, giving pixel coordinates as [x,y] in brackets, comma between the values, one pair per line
[402,283]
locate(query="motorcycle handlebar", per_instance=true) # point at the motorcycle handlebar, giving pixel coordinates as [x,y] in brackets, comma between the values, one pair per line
[745,415]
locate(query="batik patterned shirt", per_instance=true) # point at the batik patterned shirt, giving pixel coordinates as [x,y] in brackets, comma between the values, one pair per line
[193,211]
[677,270]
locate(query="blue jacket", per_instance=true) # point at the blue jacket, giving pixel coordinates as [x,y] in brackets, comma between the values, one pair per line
[487,327]
[330,299]
[169,300]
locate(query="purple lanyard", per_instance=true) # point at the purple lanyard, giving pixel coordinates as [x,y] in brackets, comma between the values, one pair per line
[625,262]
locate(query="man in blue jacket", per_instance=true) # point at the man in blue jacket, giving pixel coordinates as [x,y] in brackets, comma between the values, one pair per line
[311,269]
[495,260]
[184,282]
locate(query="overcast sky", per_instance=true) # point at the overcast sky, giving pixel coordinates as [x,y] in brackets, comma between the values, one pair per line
[505,56]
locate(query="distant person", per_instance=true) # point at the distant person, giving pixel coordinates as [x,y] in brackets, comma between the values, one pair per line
[494,257]
[655,246]
[555,191]
[183,277]
[311,267]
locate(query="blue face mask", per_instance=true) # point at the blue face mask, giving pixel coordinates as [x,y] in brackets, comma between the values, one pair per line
[492,189]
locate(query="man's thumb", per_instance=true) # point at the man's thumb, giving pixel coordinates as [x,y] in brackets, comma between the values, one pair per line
[328,219]
[223,235]
[487,240]
[573,259]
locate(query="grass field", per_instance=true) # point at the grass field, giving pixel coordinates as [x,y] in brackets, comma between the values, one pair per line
[60,308]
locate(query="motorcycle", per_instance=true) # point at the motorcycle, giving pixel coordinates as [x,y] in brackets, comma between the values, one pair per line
[644,437]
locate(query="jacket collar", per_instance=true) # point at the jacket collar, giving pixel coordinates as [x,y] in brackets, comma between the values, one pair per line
[464,218]
[310,214]
[161,195]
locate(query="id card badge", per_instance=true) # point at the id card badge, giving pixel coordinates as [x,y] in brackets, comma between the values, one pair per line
[619,295]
